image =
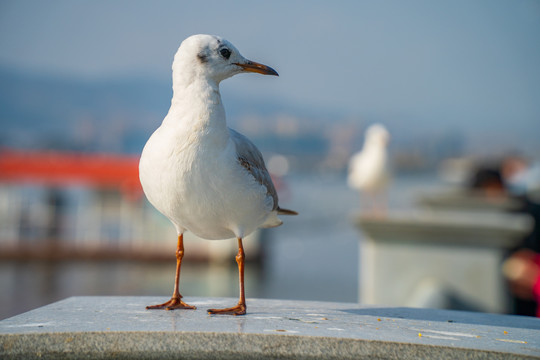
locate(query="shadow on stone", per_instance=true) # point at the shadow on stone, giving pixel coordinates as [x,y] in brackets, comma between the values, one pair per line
[463,317]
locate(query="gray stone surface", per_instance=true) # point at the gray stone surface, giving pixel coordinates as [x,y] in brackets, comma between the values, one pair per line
[444,259]
[121,328]
[498,230]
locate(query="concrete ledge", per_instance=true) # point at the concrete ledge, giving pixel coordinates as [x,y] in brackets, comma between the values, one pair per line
[499,230]
[444,259]
[470,201]
[120,328]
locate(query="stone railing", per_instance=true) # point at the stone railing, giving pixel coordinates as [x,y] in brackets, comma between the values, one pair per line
[121,328]
[438,259]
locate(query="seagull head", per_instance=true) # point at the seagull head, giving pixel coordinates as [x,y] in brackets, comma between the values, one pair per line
[213,58]
[378,135]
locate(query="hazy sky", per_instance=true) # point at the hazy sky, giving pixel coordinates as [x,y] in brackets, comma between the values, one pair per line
[468,63]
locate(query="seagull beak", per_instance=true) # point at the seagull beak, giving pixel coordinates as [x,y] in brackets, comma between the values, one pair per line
[252,66]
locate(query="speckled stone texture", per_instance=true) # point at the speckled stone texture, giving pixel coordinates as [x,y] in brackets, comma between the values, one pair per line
[121,328]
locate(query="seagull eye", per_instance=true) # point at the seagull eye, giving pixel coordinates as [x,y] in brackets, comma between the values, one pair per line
[226,53]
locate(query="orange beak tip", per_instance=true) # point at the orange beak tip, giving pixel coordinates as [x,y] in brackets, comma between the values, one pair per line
[251,66]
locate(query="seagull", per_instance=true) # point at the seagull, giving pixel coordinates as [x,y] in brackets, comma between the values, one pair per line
[369,169]
[203,176]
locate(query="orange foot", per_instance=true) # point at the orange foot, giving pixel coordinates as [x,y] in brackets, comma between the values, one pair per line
[174,303]
[239,309]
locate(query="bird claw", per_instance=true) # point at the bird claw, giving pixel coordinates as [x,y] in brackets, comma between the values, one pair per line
[239,309]
[174,303]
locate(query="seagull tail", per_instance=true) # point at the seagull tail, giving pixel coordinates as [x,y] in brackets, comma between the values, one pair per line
[273,221]
[281,211]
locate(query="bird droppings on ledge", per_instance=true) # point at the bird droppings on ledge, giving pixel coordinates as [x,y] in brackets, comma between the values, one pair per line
[512,341]
[282,330]
[271,329]
[305,321]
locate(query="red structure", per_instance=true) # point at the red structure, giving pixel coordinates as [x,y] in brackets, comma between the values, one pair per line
[54,168]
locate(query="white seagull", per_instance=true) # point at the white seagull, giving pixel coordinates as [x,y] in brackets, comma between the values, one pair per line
[369,170]
[203,176]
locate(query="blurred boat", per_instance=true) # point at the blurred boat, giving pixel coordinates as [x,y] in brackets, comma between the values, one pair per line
[66,205]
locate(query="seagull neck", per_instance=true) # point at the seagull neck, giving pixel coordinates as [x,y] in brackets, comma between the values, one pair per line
[198,104]
[374,147]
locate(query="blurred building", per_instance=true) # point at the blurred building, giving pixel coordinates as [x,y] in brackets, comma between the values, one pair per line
[58,205]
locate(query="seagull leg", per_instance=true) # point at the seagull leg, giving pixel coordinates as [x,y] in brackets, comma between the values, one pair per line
[379,204]
[371,203]
[240,308]
[384,203]
[176,299]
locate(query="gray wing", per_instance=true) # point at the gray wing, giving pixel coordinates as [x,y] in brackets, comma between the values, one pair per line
[251,159]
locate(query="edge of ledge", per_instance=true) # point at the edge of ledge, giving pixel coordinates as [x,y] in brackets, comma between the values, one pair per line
[204,345]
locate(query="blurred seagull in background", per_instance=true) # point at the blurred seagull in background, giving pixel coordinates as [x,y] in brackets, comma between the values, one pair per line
[369,170]
[203,176]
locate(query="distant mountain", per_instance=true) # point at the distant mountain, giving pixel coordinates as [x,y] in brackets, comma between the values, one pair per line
[41,111]
[38,111]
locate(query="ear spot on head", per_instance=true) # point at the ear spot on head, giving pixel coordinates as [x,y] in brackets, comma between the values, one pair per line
[202,57]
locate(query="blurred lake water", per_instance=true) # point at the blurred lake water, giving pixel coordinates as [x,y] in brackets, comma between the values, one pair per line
[313,256]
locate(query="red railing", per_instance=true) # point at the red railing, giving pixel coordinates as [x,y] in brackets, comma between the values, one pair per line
[54,168]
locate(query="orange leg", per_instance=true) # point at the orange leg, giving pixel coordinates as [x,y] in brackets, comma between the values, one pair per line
[240,308]
[176,299]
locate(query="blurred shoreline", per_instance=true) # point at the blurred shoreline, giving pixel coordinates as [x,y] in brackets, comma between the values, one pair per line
[313,256]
